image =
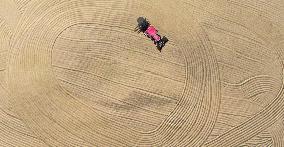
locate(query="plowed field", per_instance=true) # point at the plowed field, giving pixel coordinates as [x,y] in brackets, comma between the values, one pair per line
[74,73]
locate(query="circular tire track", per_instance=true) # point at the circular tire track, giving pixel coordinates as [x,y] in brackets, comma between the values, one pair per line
[61,116]
[67,116]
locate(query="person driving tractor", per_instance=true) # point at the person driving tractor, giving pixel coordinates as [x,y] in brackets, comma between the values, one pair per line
[151,32]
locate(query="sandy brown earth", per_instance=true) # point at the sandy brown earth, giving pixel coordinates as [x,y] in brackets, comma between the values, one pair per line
[74,73]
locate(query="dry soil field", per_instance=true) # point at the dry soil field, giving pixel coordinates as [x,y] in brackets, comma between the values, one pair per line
[74,73]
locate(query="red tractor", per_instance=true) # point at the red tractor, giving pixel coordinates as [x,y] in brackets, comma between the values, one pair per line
[151,32]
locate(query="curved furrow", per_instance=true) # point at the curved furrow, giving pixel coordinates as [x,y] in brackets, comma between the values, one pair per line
[74,73]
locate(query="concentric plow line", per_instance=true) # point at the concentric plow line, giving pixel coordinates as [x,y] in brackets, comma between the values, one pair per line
[74,73]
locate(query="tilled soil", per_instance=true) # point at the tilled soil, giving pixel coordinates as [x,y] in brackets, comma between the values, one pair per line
[74,73]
